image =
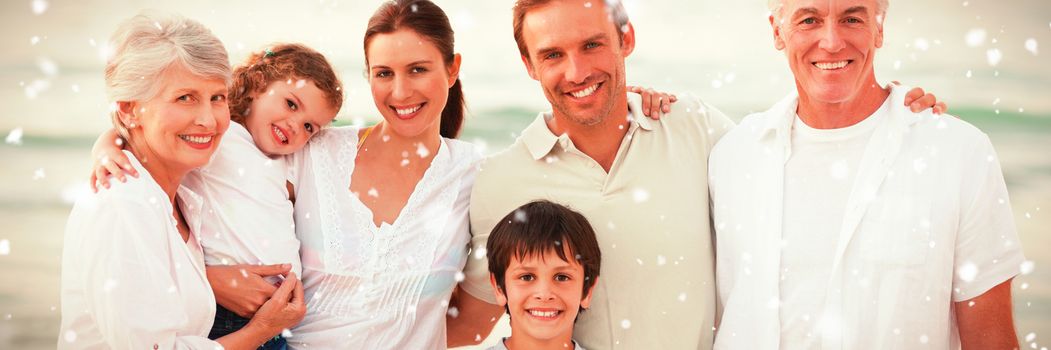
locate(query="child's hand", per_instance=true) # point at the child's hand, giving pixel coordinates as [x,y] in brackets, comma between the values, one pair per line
[242,288]
[109,161]
[654,103]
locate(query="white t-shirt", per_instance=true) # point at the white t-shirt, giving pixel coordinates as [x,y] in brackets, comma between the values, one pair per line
[129,281]
[927,223]
[384,287]
[501,346]
[249,220]
[818,177]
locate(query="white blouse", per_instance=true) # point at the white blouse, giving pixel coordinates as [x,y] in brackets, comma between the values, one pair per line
[249,216]
[384,287]
[129,281]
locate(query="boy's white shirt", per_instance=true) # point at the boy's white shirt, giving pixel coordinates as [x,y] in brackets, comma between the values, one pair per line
[500,345]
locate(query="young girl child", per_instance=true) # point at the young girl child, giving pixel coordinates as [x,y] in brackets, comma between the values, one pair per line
[279,99]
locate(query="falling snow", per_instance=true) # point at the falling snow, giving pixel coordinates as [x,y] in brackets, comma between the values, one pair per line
[5,247]
[640,195]
[520,216]
[1027,267]
[967,272]
[1031,46]
[975,37]
[70,336]
[39,6]
[14,137]
[422,151]
[993,56]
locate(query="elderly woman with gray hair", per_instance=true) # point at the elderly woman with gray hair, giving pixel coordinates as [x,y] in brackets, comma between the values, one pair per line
[132,268]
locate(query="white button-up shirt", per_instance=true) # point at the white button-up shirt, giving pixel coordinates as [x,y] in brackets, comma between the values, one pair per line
[927,223]
[129,281]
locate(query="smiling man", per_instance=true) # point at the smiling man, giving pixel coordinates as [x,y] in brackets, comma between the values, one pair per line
[845,221]
[640,182]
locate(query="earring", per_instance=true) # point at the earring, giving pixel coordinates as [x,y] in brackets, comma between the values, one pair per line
[131,125]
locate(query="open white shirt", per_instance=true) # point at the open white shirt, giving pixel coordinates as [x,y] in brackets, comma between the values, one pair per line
[129,281]
[249,217]
[927,223]
[384,287]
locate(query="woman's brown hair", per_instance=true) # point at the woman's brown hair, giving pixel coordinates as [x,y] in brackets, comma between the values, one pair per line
[281,62]
[429,21]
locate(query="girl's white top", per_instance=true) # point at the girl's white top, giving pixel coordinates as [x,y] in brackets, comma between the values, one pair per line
[249,220]
[129,281]
[384,287]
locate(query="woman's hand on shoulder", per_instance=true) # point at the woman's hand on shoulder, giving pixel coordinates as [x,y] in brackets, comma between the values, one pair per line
[109,160]
[654,103]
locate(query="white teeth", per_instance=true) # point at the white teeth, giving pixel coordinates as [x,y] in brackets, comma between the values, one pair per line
[280,134]
[408,111]
[586,92]
[831,65]
[196,139]
[543,313]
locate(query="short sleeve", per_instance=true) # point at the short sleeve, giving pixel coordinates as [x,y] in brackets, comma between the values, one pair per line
[988,251]
[130,288]
[476,271]
[718,124]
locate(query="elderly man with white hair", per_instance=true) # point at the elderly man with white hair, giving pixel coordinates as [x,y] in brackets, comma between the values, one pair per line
[845,221]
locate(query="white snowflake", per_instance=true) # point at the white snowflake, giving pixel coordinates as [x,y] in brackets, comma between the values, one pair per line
[975,37]
[14,137]
[5,247]
[994,56]
[967,272]
[422,151]
[1031,46]
[640,195]
[1027,267]
[39,6]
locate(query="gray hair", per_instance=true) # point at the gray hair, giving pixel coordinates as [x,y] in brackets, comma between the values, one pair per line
[147,44]
[776,6]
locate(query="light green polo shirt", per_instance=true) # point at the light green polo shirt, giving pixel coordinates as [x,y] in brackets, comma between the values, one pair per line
[650,214]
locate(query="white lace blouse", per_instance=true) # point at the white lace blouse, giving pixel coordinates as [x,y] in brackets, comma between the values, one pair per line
[384,287]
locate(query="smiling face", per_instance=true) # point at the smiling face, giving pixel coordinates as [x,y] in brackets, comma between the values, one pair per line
[179,128]
[543,295]
[286,115]
[575,53]
[830,45]
[410,81]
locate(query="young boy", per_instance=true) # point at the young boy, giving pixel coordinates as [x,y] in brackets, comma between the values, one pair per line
[543,262]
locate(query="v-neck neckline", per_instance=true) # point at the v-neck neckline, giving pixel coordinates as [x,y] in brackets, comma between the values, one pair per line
[409,203]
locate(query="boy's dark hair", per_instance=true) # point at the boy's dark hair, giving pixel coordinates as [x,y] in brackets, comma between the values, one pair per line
[538,227]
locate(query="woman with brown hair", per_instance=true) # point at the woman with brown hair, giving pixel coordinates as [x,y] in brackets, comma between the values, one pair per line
[382,212]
